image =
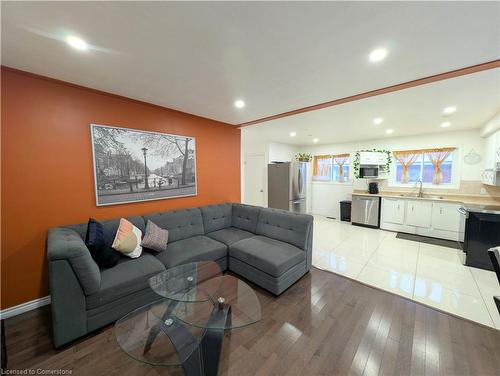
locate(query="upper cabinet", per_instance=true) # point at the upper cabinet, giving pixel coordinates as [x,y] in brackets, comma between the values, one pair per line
[491,172]
[490,151]
[372,158]
[497,151]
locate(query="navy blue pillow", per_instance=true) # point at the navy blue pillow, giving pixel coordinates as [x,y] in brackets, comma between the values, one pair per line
[105,257]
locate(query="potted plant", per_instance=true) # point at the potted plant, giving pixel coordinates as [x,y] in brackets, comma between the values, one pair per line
[303,157]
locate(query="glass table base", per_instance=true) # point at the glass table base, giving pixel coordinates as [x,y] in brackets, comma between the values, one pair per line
[148,334]
[152,335]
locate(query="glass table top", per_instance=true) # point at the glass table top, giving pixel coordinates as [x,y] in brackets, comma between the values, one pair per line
[133,331]
[180,282]
[197,297]
[223,290]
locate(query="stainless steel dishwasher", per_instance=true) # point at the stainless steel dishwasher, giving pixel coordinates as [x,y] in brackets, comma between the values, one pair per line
[365,211]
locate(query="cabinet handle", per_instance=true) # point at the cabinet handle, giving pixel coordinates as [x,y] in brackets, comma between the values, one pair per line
[412,207]
[441,211]
[398,206]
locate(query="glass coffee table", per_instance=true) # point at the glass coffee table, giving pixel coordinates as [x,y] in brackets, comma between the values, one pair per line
[186,328]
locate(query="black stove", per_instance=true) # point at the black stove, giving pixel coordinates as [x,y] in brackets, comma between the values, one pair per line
[482,232]
[493,209]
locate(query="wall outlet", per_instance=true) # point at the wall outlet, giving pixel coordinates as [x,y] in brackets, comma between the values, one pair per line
[482,191]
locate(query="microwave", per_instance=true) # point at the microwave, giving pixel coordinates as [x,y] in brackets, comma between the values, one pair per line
[368,172]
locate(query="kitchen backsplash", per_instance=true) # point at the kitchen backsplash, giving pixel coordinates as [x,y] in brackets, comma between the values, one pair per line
[467,187]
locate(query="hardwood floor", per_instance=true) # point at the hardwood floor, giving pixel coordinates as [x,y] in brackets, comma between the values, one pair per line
[323,325]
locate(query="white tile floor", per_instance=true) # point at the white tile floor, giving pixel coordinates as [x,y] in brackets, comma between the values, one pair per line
[429,274]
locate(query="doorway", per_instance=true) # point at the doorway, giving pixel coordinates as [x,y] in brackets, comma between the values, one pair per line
[255,179]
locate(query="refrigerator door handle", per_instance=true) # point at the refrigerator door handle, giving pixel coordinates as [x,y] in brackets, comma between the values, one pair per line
[300,180]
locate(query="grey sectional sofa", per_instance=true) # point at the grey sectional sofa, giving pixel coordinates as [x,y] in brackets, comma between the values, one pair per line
[271,248]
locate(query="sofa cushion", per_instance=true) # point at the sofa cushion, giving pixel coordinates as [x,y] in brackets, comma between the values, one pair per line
[230,235]
[216,217]
[283,225]
[127,277]
[181,224]
[272,256]
[197,248]
[245,217]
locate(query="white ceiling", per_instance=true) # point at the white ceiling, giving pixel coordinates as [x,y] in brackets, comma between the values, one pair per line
[277,56]
[413,111]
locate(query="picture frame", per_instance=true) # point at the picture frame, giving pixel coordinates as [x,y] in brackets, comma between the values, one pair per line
[134,165]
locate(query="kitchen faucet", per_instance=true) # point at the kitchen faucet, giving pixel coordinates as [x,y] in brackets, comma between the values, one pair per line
[420,189]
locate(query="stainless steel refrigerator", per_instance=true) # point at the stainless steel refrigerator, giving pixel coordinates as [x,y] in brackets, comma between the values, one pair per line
[286,186]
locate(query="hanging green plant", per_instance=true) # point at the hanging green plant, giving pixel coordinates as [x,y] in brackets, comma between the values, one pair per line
[383,168]
[303,157]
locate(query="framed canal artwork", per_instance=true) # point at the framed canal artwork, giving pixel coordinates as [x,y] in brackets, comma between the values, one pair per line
[133,165]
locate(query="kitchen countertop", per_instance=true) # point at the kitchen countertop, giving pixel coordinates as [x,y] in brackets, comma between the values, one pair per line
[442,197]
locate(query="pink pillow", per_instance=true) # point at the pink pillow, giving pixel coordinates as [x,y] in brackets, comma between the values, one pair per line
[155,238]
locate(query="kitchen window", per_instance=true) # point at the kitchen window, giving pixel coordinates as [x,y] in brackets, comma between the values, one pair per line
[331,168]
[431,166]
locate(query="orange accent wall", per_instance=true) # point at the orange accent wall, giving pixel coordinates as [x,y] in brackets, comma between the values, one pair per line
[47,172]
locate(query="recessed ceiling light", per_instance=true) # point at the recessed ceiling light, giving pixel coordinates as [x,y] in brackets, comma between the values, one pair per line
[446,124]
[389,131]
[315,140]
[239,104]
[449,110]
[378,54]
[378,121]
[77,43]
[293,134]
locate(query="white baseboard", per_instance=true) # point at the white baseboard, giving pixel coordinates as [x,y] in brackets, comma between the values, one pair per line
[24,307]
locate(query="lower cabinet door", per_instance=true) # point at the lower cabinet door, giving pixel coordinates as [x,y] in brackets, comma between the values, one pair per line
[419,213]
[446,217]
[393,211]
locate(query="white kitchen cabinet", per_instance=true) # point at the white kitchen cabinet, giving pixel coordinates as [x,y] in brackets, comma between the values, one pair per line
[497,151]
[419,213]
[488,176]
[372,158]
[491,172]
[445,216]
[491,159]
[393,210]
[490,151]
[422,217]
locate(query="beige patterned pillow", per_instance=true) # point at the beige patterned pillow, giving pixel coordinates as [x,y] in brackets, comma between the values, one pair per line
[128,239]
[155,238]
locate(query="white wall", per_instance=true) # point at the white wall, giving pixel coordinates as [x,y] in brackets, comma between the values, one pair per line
[279,152]
[326,195]
[464,141]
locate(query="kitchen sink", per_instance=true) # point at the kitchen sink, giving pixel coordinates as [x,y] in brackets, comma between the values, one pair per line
[431,197]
